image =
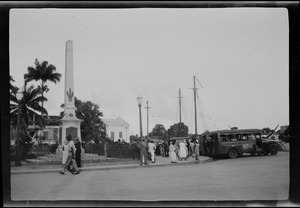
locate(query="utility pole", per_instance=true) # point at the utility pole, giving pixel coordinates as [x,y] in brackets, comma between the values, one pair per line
[195,91]
[179,98]
[147,118]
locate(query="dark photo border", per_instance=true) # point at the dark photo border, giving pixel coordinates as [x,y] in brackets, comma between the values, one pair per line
[294,105]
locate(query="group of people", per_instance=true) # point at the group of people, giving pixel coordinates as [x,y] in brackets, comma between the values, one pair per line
[182,149]
[71,159]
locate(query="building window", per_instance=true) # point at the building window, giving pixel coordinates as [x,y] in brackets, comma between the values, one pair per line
[112,135]
[120,135]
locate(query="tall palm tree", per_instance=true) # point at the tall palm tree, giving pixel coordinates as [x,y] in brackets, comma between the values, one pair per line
[29,106]
[44,72]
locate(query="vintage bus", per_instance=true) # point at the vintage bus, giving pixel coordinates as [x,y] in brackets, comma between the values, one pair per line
[235,142]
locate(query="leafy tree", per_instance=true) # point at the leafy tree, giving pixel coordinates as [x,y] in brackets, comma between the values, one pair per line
[158,130]
[44,72]
[178,130]
[92,127]
[29,106]
[12,89]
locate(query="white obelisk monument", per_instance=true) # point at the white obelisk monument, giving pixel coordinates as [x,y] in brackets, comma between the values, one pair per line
[70,125]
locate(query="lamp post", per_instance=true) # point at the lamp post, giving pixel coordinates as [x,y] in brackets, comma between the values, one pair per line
[139,101]
[19,96]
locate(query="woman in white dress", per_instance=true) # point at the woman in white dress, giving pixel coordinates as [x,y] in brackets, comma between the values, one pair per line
[65,152]
[172,152]
[182,150]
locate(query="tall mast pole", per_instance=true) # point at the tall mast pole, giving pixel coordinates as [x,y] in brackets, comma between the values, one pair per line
[180,127]
[179,98]
[147,118]
[195,90]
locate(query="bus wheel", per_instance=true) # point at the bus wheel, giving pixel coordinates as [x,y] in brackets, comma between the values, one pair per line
[232,153]
[273,151]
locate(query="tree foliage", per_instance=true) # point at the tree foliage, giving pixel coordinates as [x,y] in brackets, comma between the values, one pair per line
[92,127]
[44,72]
[29,106]
[158,130]
[178,130]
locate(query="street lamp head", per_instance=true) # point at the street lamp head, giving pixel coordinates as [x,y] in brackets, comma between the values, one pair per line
[139,100]
[19,95]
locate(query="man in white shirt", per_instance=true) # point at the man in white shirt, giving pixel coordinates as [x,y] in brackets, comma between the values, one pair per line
[151,149]
[71,156]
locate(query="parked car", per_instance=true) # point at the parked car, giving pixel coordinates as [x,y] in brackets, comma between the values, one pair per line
[269,146]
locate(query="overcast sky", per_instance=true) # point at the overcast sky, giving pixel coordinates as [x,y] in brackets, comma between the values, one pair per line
[240,57]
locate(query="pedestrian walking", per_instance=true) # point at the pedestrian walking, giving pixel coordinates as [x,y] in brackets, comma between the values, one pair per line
[65,151]
[172,152]
[196,149]
[78,152]
[151,150]
[71,157]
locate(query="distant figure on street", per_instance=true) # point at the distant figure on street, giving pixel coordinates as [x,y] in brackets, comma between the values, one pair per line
[65,151]
[172,152]
[182,151]
[143,152]
[205,146]
[157,150]
[166,148]
[78,152]
[210,146]
[188,152]
[196,149]
[151,150]
[192,148]
[71,157]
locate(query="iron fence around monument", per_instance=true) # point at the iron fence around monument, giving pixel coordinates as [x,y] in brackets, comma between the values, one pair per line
[93,148]
[113,150]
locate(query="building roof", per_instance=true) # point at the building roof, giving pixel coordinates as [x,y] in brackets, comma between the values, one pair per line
[115,122]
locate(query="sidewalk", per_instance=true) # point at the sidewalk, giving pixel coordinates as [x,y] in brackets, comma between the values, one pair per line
[122,164]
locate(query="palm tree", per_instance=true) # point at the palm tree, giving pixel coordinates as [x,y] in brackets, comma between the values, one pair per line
[29,106]
[12,89]
[44,72]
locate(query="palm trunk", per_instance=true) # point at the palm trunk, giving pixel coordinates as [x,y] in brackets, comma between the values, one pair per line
[42,114]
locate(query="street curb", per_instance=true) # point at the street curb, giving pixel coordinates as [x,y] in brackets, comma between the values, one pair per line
[113,167]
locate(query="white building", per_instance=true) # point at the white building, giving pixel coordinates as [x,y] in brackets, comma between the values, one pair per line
[117,129]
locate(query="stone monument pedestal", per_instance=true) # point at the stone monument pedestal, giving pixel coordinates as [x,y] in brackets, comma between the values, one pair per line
[70,127]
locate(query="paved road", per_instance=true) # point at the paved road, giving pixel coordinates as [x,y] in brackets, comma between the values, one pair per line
[246,178]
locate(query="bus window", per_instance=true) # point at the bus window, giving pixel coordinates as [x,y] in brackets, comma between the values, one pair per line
[223,138]
[245,137]
[252,137]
